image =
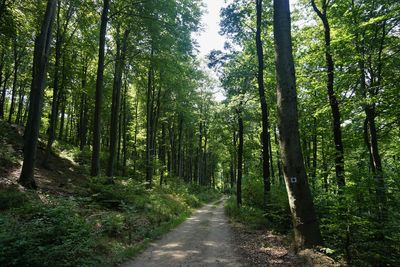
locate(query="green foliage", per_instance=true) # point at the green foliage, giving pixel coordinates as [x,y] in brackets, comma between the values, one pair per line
[114,222]
[252,216]
[12,198]
[46,234]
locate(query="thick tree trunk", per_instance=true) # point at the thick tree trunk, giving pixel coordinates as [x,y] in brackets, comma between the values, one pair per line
[264,106]
[40,60]
[115,108]
[305,222]
[337,131]
[95,168]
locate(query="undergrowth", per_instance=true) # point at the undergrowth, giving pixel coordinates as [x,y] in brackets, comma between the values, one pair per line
[107,226]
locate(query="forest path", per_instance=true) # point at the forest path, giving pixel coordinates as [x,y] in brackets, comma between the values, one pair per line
[205,239]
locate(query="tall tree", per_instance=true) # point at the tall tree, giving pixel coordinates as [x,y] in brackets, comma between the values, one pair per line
[263,101]
[39,71]
[116,97]
[304,218]
[330,71]
[95,168]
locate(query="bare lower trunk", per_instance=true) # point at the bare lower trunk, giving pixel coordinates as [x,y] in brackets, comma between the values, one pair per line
[95,167]
[336,117]
[240,161]
[41,54]
[264,106]
[305,223]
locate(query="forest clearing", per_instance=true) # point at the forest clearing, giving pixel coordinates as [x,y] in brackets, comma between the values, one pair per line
[199,133]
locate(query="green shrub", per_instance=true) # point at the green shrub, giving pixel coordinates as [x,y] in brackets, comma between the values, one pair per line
[254,217]
[53,234]
[12,198]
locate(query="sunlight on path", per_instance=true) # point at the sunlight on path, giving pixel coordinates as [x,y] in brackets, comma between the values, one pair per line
[205,239]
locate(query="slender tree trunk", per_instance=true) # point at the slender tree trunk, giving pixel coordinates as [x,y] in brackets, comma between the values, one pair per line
[200,155]
[3,95]
[54,106]
[15,79]
[264,106]
[83,114]
[370,131]
[205,169]
[40,60]
[95,168]
[149,114]
[240,160]
[305,222]
[314,152]
[125,130]
[21,97]
[162,152]
[337,131]
[115,109]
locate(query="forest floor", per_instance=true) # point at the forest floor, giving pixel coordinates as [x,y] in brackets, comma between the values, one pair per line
[61,176]
[208,239]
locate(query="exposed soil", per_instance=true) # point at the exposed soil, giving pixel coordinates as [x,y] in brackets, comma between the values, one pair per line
[264,248]
[61,176]
[208,239]
[205,239]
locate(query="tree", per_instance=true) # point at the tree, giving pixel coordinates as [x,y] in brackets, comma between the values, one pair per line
[263,101]
[39,71]
[95,168]
[116,97]
[336,118]
[304,218]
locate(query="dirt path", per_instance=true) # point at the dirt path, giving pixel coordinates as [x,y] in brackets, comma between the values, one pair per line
[205,239]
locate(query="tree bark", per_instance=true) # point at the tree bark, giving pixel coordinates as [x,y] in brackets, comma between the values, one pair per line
[240,160]
[264,106]
[115,108]
[54,111]
[149,124]
[3,94]
[95,168]
[336,117]
[40,60]
[304,218]
[15,79]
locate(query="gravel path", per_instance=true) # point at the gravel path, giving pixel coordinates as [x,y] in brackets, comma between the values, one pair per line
[205,239]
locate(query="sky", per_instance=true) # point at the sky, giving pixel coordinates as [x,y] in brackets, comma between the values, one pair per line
[209,39]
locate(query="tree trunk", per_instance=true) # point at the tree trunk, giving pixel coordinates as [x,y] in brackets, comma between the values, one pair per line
[337,131]
[115,108]
[54,110]
[21,97]
[240,160]
[95,168]
[304,218]
[40,60]
[149,124]
[3,95]
[264,106]
[15,79]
